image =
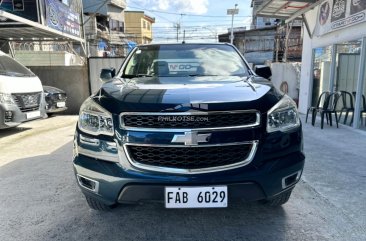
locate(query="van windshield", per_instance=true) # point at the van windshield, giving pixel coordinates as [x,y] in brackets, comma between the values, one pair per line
[181,60]
[10,67]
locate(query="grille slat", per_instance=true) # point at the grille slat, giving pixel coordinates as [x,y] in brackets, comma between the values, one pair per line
[189,157]
[174,121]
[27,101]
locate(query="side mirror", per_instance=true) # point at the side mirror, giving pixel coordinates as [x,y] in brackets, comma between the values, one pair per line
[107,74]
[263,71]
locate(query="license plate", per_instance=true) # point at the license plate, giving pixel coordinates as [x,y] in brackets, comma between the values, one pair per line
[196,197]
[33,114]
[60,104]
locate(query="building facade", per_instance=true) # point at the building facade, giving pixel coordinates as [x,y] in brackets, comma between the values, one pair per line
[43,32]
[257,45]
[334,55]
[257,21]
[139,26]
[105,26]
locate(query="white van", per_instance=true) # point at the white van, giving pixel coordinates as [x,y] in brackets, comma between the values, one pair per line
[21,93]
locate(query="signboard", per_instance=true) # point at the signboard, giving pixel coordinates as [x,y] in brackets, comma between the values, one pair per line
[21,8]
[233,11]
[62,18]
[337,14]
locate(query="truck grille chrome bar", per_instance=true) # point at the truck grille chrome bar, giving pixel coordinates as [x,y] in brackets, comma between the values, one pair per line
[168,121]
[190,159]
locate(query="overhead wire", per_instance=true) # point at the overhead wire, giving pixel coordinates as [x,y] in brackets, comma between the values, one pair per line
[187,14]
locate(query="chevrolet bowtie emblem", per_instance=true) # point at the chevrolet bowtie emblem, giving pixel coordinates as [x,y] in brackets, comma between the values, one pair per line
[191,138]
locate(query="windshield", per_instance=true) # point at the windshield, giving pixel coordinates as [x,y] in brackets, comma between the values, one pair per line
[182,60]
[10,67]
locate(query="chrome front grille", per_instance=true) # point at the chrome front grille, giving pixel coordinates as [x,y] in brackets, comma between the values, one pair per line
[190,120]
[27,101]
[189,152]
[191,159]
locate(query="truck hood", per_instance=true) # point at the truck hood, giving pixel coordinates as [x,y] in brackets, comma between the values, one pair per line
[199,93]
[12,84]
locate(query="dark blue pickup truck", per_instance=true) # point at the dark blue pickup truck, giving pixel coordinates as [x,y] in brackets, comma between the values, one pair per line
[190,125]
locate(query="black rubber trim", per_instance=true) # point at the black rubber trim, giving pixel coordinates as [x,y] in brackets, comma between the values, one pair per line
[138,193]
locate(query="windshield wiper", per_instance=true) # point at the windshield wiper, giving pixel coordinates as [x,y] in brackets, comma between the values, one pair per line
[194,75]
[131,76]
[9,73]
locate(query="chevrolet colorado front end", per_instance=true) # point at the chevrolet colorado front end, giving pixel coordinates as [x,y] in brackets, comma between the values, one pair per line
[190,125]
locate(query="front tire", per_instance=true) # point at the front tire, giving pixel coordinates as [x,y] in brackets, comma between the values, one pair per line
[97,205]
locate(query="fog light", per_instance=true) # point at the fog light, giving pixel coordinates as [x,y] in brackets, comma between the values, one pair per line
[88,183]
[290,179]
[8,116]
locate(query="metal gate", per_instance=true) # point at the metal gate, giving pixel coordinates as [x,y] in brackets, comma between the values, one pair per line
[95,64]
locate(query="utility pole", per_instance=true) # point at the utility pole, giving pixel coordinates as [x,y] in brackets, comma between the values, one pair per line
[177,26]
[232,12]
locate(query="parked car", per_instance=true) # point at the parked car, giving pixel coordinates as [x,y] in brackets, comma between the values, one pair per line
[188,124]
[21,93]
[55,99]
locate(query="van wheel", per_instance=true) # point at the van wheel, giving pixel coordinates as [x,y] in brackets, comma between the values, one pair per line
[97,205]
[279,199]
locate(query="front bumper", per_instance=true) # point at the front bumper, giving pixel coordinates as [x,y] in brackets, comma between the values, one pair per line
[17,116]
[55,109]
[53,105]
[119,182]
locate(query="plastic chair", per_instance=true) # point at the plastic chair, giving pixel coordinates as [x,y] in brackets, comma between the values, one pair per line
[320,102]
[347,105]
[363,107]
[329,108]
[363,110]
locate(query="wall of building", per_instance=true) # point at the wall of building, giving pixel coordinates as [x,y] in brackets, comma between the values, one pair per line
[260,22]
[257,45]
[138,24]
[51,58]
[146,33]
[96,65]
[133,25]
[346,34]
[91,6]
[286,77]
[116,13]
[73,80]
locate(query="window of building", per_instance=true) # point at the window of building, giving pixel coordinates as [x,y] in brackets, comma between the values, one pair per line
[115,25]
[346,65]
[144,24]
[148,26]
[321,74]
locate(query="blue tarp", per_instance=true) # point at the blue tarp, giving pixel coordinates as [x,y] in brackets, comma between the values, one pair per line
[131,45]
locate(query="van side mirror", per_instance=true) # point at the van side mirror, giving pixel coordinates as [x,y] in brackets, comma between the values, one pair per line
[263,71]
[107,74]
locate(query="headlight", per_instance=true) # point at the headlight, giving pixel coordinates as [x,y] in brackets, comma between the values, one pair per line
[6,99]
[283,116]
[94,119]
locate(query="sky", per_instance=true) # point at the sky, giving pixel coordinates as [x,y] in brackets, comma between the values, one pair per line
[199,20]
